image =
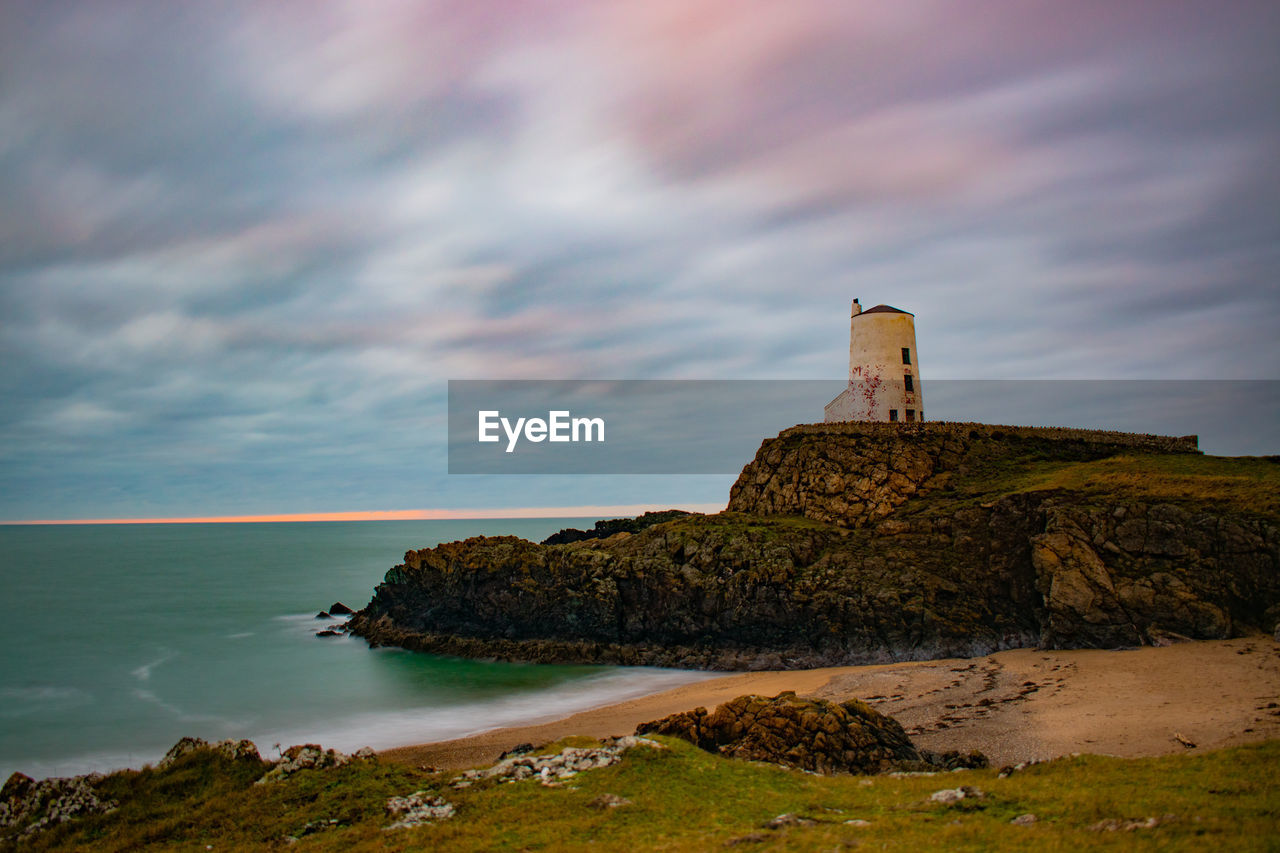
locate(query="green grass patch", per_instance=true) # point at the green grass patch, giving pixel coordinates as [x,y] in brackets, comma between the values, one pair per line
[683,799]
[1247,484]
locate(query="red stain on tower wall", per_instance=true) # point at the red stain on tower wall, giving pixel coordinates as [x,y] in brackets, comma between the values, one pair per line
[868,389]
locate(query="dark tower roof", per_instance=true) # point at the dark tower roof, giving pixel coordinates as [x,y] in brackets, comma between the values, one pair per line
[884,309]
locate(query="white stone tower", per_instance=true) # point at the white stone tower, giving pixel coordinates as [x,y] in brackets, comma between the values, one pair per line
[884,372]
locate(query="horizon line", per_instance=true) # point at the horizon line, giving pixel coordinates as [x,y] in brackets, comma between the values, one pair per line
[602,511]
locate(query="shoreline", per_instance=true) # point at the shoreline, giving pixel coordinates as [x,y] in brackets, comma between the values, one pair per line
[1016,705]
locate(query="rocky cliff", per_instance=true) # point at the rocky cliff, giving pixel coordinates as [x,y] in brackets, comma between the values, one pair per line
[853,473]
[855,543]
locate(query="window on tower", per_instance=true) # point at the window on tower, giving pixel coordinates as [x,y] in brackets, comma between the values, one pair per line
[911,415]
[906,355]
[893,414]
[909,382]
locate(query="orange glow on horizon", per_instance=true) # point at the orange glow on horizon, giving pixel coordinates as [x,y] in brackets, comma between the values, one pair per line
[400,515]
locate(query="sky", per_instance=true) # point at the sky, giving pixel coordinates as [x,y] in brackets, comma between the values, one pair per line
[244,245]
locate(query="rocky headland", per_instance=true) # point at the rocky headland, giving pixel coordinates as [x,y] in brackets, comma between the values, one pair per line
[864,543]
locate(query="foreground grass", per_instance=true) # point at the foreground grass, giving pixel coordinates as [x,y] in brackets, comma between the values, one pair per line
[683,799]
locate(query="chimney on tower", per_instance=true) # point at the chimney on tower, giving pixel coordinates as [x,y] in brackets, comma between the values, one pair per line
[857,309]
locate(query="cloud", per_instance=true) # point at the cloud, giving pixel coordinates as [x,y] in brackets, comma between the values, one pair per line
[244,245]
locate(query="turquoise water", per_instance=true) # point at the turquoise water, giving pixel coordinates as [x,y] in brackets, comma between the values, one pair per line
[120,639]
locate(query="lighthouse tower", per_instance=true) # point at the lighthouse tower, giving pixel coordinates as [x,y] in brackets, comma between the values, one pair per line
[884,373]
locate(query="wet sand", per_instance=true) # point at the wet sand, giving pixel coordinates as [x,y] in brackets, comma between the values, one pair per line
[1015,706]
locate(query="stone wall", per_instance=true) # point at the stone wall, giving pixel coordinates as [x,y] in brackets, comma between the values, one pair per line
[1107,438]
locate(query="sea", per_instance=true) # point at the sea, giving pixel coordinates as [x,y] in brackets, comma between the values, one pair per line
[119,639]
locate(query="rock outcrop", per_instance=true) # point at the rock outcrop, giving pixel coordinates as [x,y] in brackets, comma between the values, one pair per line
[811,734]
[851,474]
[1142,573]
[233,750]
[555,767]
[605,528]
[28,806]
[311,756]
[418,809]
[863,543]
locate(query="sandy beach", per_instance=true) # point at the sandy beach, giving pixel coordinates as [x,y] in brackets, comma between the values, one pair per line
[1016,705]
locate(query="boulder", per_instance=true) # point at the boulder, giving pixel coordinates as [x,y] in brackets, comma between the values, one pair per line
[311,756]
[811,734]
[417,809]
[955,760]
[608,801]
[552,769]
[233,750]
[17,786]
[951,796]
[340,609]
[28,806]
[518,749]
